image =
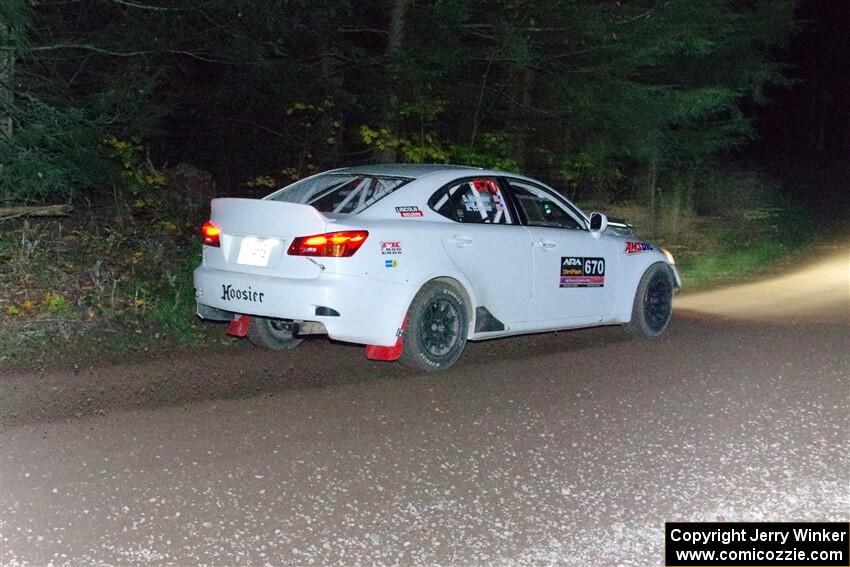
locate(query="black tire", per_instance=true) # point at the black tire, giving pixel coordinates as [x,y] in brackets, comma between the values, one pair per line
[435,332]
[272,334]
[653,305]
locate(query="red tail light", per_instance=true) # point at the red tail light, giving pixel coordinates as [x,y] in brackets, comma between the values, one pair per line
[211,234]
[337,244]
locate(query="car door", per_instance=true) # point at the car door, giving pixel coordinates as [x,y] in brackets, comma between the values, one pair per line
[491,249]
[575,273]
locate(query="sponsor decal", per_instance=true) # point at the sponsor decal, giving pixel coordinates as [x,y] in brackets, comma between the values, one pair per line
[582,272]
[637,247]
[485,185]
[476,204]
[409,211]
[228,293]
[500,206]
[390,263]
[391,248]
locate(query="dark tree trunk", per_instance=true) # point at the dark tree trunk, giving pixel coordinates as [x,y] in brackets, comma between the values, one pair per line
[395,37]
[7,74]
[523,130]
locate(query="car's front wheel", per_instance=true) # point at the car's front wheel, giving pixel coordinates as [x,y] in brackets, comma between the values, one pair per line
[274,334]
[435,332]
[653,305]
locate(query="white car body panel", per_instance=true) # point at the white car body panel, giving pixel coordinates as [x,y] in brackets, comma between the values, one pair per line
[497,264]
[512,272]
[549,301]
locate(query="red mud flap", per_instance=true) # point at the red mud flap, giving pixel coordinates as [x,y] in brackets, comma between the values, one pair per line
[386,353]
[239,326]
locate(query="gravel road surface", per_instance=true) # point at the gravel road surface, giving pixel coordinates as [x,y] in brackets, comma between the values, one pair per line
[559,449]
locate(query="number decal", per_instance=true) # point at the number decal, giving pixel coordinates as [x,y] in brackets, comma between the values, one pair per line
[582,272]
[594,267]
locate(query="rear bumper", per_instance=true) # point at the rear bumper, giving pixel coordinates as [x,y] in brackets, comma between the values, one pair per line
[369,311]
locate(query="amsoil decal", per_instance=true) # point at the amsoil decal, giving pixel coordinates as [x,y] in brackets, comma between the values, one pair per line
[637,247]
[392,248]
[229,294]
[582,272]
[409,211]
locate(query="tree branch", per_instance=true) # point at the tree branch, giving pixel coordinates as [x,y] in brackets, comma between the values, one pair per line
[147,6]
[260,127]
[8,213]
[102,51]
[363,30]
[480,100]
[84,47]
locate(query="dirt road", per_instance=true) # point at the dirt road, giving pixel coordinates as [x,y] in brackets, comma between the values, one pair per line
[804,291]
[559,449]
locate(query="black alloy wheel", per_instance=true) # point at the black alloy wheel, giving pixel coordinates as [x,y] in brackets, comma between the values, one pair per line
[434,336]
[653,304]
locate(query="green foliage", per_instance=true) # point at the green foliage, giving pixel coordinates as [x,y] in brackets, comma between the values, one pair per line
[50,152]
[15,17]
[139,176]
[492,151]
[175,311]
[113,283]
[425,151]
[584,93]
[725,224]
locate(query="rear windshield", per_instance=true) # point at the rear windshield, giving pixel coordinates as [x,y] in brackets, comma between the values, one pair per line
[339,193]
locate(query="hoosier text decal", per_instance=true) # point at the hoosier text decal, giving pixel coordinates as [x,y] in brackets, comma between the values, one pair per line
[228,293]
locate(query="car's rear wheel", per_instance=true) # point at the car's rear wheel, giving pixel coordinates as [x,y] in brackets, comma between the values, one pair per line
[435,332]
[272,333]
[653,305]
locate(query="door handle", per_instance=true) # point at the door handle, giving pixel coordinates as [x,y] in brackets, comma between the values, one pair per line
[461,241]
[545,244]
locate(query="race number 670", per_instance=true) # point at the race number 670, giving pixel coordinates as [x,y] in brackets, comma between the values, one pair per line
[594,267]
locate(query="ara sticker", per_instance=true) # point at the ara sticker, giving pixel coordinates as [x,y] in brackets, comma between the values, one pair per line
[637,247]
[391,248]
[582,272]
[390,263]
[409,211]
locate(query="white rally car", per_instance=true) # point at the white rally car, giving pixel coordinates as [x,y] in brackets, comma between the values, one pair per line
[414,260]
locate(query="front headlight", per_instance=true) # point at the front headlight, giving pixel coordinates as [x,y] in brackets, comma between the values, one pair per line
[668,256]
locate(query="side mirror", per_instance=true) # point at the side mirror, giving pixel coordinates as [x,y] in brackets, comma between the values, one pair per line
[598,224]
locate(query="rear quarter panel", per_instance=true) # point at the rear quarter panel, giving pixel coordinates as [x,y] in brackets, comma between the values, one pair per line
[408,252]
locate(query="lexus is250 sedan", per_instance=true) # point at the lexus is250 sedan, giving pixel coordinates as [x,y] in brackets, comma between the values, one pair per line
[415,260]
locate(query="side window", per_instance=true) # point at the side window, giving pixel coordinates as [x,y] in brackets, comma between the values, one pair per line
[540,208]
[478,200]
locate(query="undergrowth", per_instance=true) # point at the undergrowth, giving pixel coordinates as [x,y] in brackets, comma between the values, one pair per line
[723,227]
[115,277]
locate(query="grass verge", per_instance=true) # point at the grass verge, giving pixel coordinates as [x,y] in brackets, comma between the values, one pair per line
[730,226]
[101,282]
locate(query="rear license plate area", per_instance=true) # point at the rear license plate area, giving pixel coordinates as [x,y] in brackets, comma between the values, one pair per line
[262,252]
